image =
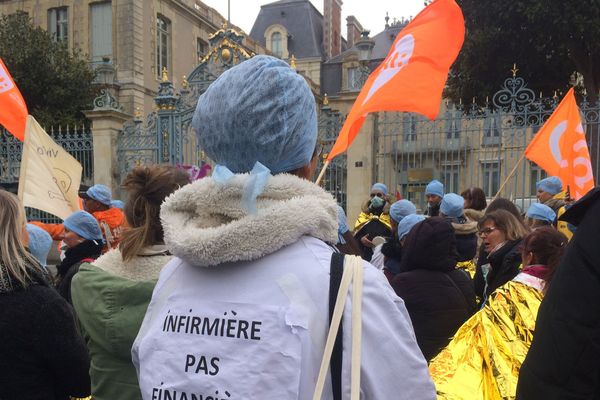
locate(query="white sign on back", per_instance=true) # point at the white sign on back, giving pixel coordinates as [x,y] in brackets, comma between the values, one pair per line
[202,350]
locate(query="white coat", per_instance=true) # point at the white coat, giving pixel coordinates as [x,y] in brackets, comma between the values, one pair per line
[254,325]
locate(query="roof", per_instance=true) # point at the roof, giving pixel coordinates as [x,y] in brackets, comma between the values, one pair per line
[303,22]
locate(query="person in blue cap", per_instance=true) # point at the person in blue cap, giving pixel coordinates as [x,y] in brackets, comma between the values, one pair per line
[84,241]
[550,193]
[434,191]
[452,208]
[252,246]
[40,243]
[374,220]
[539,215]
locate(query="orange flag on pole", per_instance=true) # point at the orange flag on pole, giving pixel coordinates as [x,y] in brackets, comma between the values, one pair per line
[13,111]
[414,73]
[561,150]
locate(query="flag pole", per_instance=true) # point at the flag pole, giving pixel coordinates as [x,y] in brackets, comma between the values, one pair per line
[509,175]
[322,173]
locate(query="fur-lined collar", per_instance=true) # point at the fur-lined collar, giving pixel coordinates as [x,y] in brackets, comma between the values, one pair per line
[205,225]
[145,267]
[466,228]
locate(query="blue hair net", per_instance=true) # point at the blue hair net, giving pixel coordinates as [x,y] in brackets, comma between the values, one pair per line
[258,111]
[381,187]
[435,187]
[452,205]
[407,224]
[85,225]
[40,243]
[401,209]
[117,204]
[100,193]
[552,185]
[541,212]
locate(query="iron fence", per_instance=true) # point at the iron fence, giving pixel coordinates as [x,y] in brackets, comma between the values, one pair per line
[469,145]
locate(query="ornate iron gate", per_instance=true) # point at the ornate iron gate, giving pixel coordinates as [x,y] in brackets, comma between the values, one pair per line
[167,135]
[334,181]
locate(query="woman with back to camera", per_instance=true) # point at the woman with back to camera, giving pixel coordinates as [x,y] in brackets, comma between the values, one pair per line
[501,233]
[111,295]
[42,355]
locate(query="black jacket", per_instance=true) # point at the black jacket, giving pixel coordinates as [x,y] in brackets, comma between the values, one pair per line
[466,238]
[439,298]
[42,355]
[85,251]
[563,361]
[504,264]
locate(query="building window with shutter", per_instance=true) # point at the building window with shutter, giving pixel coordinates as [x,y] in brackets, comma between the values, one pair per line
[163,45]
[491,178]
[276,44]
[201,48]
[58,24]
[101,31]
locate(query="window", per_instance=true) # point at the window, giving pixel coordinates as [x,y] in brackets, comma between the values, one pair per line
[163,45]
[58,24]
[353,79]
[409,127]
[276,44]
[491,127]
[454,126]
[101,20]
[537,174]
[491,178]
[201,48]
[450,178]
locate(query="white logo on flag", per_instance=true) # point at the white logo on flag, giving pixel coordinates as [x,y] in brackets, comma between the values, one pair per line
[399,59]
[555,136]
[5,82]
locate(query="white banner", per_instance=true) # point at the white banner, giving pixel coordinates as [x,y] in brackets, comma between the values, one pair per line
[50,177]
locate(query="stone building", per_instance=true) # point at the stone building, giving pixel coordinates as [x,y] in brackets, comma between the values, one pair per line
[138,38]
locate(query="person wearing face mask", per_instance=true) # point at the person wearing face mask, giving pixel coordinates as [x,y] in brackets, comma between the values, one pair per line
[374,220]
[83,240]
[550,193]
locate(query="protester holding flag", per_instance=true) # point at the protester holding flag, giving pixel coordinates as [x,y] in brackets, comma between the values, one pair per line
[114,291]
[42,355]
[550,193]
[84,242]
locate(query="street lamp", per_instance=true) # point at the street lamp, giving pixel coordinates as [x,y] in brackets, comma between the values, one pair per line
[105,73]
[365,48]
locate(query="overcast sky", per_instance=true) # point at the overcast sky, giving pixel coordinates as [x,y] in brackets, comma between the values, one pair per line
[370,13]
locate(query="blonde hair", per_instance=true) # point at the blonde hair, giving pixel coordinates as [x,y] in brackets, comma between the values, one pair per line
[16,261]
[506,222]
[147,187]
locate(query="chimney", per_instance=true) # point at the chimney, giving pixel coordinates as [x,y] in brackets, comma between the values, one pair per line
[332,28]
[353,30]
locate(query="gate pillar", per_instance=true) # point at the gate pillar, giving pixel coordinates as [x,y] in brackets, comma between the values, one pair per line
[106,125]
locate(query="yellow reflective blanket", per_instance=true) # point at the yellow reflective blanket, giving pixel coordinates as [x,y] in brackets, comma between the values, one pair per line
[483,359]
[364,217]
[468,266]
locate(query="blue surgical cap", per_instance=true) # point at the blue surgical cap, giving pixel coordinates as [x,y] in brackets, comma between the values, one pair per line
[40,243]
[117,204]
[84,224]
[380,187]
[435,187]
[100,193]
[542,212]
[552,185]
[261,110]
[407,224]
[401,209]
[452,205]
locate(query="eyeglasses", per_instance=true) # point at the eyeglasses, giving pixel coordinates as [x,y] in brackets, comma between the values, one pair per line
[487,231]
[381,195]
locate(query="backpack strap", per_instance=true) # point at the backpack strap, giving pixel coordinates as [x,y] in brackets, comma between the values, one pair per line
[336,272]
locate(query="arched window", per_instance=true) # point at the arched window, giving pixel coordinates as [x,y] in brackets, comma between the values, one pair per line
[276,44]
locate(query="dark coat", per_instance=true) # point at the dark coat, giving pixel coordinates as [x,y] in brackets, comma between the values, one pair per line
[439,298]
[466,238]
[563,361]
[42,355]
[84,252]
[504,264]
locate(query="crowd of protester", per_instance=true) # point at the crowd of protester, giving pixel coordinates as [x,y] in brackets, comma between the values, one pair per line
[219,288]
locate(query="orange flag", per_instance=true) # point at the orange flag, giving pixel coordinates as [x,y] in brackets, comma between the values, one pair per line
[414,73]
[13,111]
[561,150]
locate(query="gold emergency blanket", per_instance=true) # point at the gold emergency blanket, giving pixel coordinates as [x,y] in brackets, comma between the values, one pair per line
[483,359]
[364,217]
[468,266]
